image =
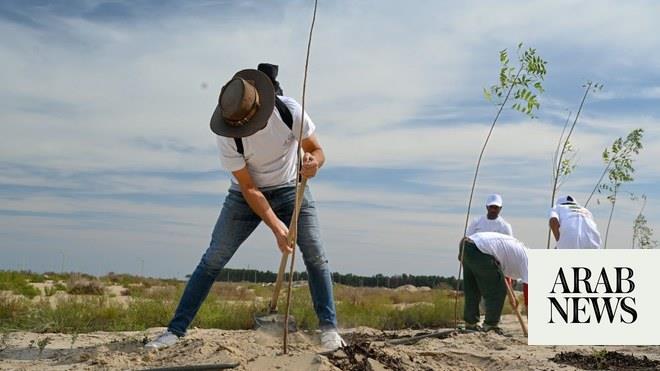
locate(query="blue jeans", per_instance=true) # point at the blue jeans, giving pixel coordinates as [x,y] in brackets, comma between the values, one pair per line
[235,223]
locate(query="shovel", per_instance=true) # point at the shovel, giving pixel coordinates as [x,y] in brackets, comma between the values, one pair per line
[514,304]
[273,321]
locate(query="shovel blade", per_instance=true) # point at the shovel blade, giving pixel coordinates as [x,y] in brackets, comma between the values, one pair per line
[274,323]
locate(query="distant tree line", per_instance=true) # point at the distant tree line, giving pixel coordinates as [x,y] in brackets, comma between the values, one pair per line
[379,280]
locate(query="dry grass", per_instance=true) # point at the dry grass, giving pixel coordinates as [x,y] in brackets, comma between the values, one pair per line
[228,306]
[84,286]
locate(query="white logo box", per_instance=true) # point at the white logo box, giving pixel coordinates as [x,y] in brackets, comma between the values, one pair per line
[544,266]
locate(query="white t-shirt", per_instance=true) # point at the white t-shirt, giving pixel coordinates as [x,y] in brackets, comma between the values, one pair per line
[577,229]
[270,153]
[483,224]
[508,251]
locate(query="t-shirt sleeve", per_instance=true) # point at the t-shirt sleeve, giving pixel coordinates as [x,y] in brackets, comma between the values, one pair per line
[296,111]
[309,127]
[508,230]
[472,228]
[554,213]
[230,159]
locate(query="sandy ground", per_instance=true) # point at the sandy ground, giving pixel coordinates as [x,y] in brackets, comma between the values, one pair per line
[256,350]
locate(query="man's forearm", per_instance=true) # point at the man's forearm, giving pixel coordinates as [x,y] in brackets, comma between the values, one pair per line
[554,227]
[259,204]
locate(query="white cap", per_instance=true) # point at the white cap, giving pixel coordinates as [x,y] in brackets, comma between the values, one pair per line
[494,199]
[565,199]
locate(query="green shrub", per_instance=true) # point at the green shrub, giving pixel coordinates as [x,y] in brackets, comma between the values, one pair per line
[18,283]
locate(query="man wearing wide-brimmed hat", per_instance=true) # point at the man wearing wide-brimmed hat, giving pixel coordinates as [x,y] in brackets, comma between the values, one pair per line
[257,131]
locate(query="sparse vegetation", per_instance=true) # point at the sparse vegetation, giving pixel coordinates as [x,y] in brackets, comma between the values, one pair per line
[642,233]
[43,343]
[619,159]
[84,286]
[562,162]
[19,283]
[151,303]
[51,290]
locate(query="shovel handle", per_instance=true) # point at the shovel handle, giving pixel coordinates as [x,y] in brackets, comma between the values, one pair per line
[293,230]
[514,304]
[278,283]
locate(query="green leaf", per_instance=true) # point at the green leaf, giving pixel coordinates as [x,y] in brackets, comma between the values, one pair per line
[488,95]
[538,86]
[503,55]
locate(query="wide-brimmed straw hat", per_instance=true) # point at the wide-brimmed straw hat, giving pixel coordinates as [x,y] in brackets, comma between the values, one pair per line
[244,106]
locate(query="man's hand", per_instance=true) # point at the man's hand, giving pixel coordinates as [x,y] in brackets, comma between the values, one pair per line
[310,165]
[259,204]
[281,233]
[313,158]
[461,244]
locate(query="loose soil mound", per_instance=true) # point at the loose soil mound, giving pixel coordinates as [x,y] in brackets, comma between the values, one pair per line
[606,361]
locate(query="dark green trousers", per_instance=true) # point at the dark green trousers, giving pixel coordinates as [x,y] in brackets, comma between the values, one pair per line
[482,276]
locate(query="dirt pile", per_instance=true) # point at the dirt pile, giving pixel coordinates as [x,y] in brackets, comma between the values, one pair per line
[606,360]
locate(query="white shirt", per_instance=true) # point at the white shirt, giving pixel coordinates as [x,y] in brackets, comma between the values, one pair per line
[483,224]
[508,251]
[270,153]
[577,229]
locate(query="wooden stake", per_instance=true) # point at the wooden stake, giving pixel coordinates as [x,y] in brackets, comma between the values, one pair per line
[293,238]
[514,304]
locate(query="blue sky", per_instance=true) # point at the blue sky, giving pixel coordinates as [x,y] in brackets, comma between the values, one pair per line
[106,159]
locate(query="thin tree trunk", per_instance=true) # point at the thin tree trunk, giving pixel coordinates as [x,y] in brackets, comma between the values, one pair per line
[556,154]
[556,165]
[561,155]
[300,184]
[607,167]
[609,221]
[641,210]
[474,182]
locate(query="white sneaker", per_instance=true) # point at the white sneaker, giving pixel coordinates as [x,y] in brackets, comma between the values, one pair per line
[331,340]
[165,340]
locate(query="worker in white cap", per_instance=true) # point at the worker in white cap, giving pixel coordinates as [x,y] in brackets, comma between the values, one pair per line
[492,221]
[573,225]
